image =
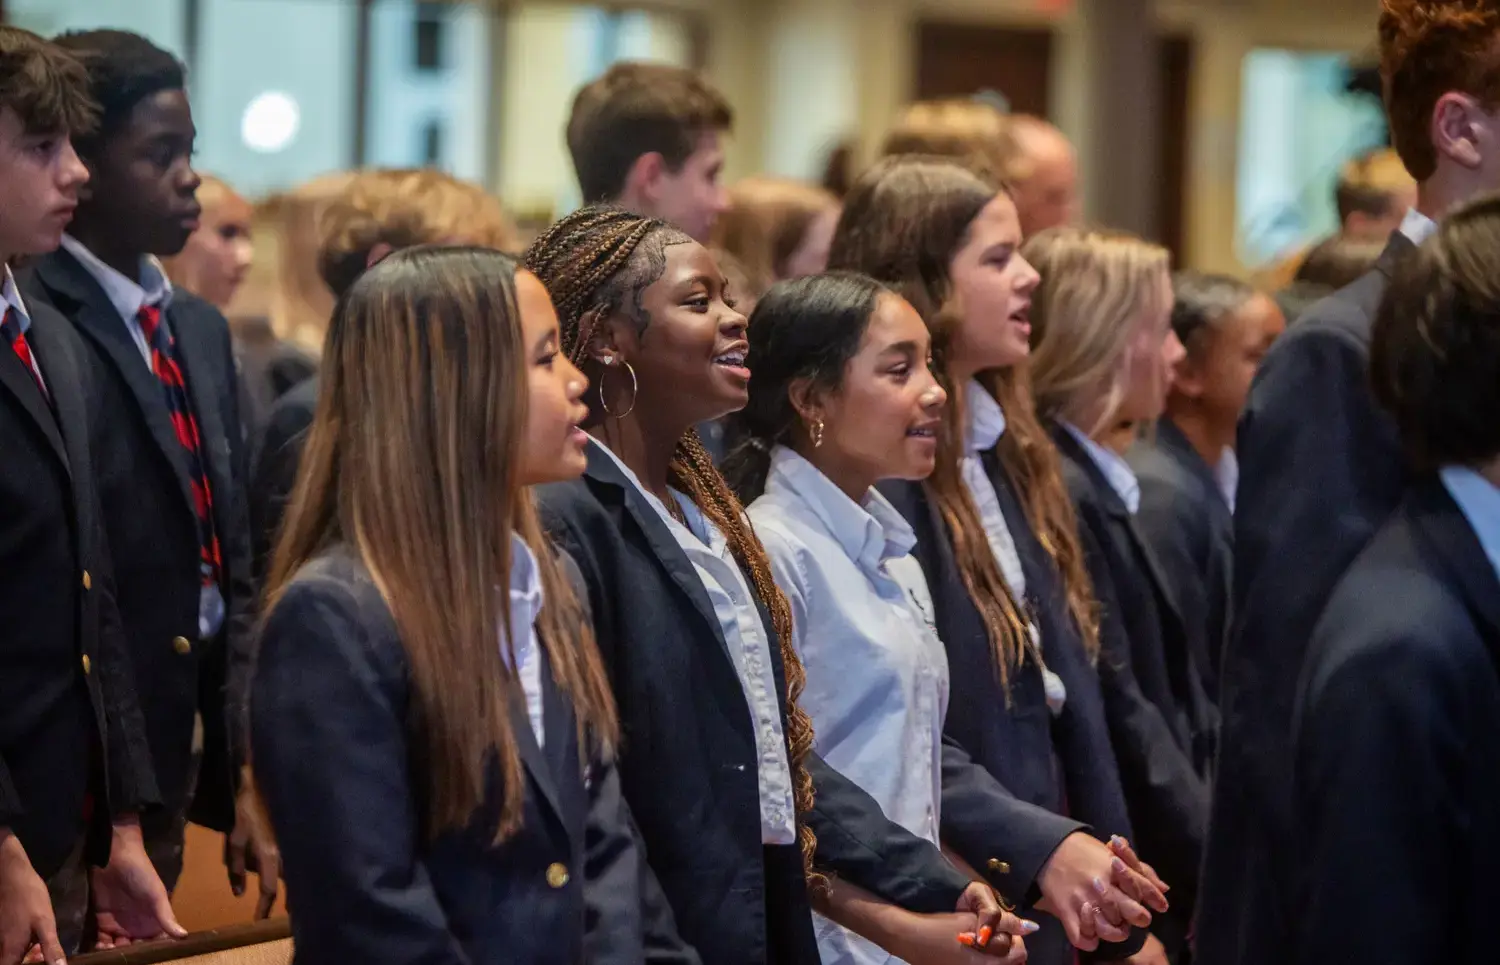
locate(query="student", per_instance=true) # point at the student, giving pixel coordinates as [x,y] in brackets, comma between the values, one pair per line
[648,137]
[1185,463]
[171,475]
[216,257]
[1320,470]
[718,763]
[1101,356]
[994,528]
[968,130]
[777,228]
[1396,727]
[437,758]
[75,771]
[373,214]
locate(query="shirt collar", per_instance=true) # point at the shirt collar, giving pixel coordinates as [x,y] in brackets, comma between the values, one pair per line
[11,295]
[1479,501]
[870,531]
[1117,471]
[526,596]
[126,294]
[1417,226]
[1227,475]
[986,419]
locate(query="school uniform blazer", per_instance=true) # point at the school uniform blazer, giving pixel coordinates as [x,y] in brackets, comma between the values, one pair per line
[152,528]
[688,765]
[66,687]
[1320,471]
[1061,772]
[346,791]
[277,453]
[1190,529]
[1396,736]
[1160,721]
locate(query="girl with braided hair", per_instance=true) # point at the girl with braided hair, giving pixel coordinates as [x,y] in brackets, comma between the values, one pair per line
[717,760]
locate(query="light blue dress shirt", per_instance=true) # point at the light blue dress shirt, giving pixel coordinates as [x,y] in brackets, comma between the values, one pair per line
[877,674]
[526,602]
[1117,471]
[1479,501]
[749,649]
[128,297]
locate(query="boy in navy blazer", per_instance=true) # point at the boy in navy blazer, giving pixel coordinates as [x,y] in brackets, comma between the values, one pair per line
[75,770]
[1320,471]
[171,474]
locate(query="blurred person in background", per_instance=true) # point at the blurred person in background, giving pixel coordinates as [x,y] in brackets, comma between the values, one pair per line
[1043,175]
[376,212]
[965,129]
[777,228]
[217,256]
[1329,266]
[649,137]
[1186,463]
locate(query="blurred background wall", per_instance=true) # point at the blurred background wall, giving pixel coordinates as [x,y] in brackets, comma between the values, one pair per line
[1214,125]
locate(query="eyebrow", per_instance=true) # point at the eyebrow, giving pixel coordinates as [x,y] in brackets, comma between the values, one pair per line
[907,347]
[549,336]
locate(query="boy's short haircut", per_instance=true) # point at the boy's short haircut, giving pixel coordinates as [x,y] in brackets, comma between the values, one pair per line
[1428,48]
[402,208]
[1202,302]
[636,109]
[1370,183]
[1435,350]
[44,84]
[123,70]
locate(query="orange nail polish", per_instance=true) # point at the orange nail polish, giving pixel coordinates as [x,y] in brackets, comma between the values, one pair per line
[985,934]
[967,938]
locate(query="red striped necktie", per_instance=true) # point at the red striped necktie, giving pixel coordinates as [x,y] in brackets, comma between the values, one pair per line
[10,328]
[169,372]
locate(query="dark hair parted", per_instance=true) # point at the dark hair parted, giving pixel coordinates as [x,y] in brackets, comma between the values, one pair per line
[44,84]
[803,328]
[1338,261]
[636,109]
[591,262]
[413,461]
[1202,302]
[903,223]
[123,70]
[1435,350]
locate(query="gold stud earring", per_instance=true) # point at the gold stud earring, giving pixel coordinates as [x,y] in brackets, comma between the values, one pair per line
[817,434]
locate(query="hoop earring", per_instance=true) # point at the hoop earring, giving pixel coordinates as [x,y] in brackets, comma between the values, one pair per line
[634,390]
[817,434]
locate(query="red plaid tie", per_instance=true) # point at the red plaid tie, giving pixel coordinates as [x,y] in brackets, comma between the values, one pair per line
[169,373]
[10,327]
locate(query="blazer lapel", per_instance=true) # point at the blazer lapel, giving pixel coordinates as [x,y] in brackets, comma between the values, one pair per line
[1397,248]
[531,754]
[663,544]
[198,363]
[1451,540]
[16,380]
[97,319]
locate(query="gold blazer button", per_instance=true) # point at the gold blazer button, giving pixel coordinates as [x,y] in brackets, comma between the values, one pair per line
[557,874]
[88,582]
[87,664]
[182,645]
[999,867]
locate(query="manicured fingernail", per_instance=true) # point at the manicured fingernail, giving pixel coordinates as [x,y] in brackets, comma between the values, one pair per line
[1118,865]
[967,938]
[1029,927]
[1117,841]
[985,933]
[1100,886]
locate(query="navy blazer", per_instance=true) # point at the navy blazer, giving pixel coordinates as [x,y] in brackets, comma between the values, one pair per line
[70,723]
[149,512]
[276,456]
[1161,722]
[688,765]
[1058,769]
[1396,738]
[1190,530]
[1320,471]
[346,792]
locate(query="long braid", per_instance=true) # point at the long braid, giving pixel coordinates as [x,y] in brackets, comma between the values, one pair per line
[577,260]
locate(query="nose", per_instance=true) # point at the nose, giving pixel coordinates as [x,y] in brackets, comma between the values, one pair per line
[732,324]
[575,381]
[1028,279]
[1175,352]
[244,254]
[74,172]
[189,182]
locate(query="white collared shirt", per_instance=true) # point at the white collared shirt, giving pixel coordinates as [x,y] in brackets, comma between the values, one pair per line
[877,674]
[1227,475]
[11,295]
[526,602]
[749,650]
[1117,471]
[1417,226]
[1479,501]
[128,297]
[126,294]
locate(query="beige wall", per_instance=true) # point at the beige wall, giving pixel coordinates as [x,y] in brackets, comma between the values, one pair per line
[802,72]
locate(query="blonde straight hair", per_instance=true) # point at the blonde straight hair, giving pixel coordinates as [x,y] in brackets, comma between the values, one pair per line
[413,461]
[1095,285]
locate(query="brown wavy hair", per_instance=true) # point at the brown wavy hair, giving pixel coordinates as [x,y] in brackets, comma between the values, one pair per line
[582,261]
[412,460]
[903,222]
[766,223]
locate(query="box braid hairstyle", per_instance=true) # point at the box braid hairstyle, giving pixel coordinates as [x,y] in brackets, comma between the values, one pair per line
[596,263]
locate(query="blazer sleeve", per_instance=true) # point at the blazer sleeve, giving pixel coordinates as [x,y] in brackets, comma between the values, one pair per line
[132,777]
[1382,768]
[331,758]
[243,588]
[272,477]
[1169,800]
